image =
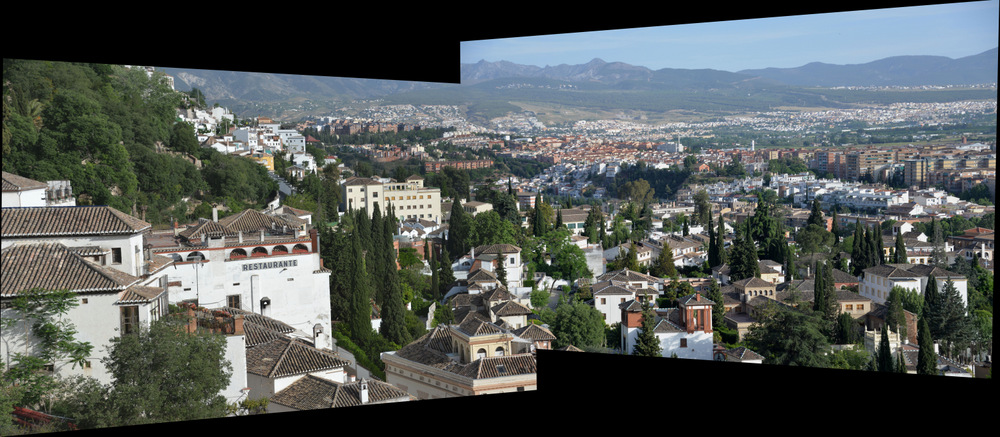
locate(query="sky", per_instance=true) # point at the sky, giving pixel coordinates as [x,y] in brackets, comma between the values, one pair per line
[857,37]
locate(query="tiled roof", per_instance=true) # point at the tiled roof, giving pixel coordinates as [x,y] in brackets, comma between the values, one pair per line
[535,332]
[358,180]
[52,266]
[496,367]
[627,275]
[54,221]
[742,354]
[13,182]
[249,222]
[498,249]
[840,277]
[752,282]
[694,299]
[611,288]
[314,393]
[510,308]
[285,356]
[139,294]
[474,327]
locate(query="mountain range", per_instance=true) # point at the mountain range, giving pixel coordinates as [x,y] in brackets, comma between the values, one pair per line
[606,85]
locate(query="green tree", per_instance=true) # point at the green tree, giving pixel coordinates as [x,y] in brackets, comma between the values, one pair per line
[895,318]
[578,324]
[459,230]
[884,360]
[789,336]
[702,208]
[647,345]
[926,358]
[958,327]
[664,265]
[719,308]
[899,253]
[743,261]
[38,315]
[162,373]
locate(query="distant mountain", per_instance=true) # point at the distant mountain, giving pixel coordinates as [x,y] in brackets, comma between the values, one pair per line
[227,86]
[897,70]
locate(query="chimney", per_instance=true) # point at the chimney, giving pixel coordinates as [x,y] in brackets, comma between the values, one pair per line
[238,324]
[215,213]
[363,389]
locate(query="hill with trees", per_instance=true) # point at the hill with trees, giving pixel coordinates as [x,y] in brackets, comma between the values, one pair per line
[113,133]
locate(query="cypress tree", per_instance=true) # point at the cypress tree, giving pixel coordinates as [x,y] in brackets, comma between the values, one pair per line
[360,304]
[458,230]
[938,256]
[559,219]
[720,241]
[926,359]
[446,276]
[900,252]
[835,229]
[435,281]
[956,326]
[895,318]
[932,308]
[501,271]
[719,308]
[884,360]
[713,251]
[879,247]
[647,345]
[393,325]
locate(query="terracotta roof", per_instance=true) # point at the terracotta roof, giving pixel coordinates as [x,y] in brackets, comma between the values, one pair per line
[496,367]
[752,282]
[139,294]
[474,327]
[358,180]
[285,356]
[742,354]
[13,182]
[627,275]
[53,266]
[510,308]
[314,393]
[497,249]
[694,299]
[52,221]
[535,333]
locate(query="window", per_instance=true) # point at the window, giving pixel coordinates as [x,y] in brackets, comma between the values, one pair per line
[129,319]
[684,342]
[233,301]
[116,255]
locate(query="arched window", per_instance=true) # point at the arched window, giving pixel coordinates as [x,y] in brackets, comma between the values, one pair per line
[481,353]
[300,248]
[279,250]
[237,254]
[259,251]
[498,352]
[195,256]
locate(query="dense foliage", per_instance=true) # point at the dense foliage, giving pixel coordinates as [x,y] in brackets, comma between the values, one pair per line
[113,133]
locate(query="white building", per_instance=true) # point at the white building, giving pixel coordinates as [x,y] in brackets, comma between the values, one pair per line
[256,262]
[683,332]
[410,198]
[877,281]
[96,252]
[20,191]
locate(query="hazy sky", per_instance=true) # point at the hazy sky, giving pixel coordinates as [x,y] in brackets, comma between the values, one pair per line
[952,30]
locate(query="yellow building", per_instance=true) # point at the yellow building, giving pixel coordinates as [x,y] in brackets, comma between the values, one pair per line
[265,159]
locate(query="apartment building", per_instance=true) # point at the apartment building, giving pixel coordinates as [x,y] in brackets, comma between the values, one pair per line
[866,162]
[409,198]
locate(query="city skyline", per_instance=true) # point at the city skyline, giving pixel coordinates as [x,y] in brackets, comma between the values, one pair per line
[854,37]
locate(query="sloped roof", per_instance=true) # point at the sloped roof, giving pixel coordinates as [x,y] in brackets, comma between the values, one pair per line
[56,221]
[510,308]
[535,333]
[497,249]
[249,221]
[285,356]
[314,393]
[496,367]
[627,276]
[694,299]
[13,182]
[53,266]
